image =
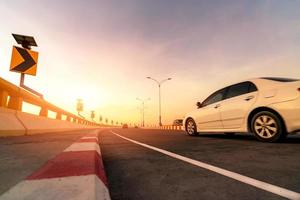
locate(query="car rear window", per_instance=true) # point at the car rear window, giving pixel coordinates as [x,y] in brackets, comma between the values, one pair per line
[240,89]
[281,79]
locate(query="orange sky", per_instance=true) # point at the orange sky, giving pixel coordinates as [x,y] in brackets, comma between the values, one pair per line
[101,51]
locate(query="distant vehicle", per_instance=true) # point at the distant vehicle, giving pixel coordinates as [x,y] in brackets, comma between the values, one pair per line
[268,107]
[125,126]
[136,126]
[177,122]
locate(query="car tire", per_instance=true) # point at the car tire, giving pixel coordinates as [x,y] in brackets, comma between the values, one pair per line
[190,127]
[268,127]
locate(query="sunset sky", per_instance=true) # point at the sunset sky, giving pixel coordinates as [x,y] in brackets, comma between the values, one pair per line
[102,51]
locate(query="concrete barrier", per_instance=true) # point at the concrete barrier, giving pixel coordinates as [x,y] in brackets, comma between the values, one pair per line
[12,119]
[9,123]
[167,127]
[13,123]
[172,127]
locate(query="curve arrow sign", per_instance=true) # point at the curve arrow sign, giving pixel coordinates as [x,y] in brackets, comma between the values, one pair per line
[24,61]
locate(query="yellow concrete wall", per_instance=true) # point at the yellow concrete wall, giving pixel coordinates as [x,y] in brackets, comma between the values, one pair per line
[18,123]
[9,124]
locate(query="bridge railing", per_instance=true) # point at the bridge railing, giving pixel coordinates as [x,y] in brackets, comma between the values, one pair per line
[172,127]
[12,97]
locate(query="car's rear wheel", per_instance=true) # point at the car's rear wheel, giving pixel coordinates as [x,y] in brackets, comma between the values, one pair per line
[191,127]
[268,127]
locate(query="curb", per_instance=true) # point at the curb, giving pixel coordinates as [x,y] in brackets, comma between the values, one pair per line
[77,173]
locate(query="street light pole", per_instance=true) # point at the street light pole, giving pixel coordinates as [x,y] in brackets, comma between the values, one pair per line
[143,109]
[159,83]
[159,100]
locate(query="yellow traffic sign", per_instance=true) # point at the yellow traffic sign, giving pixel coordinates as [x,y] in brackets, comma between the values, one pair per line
[24,61]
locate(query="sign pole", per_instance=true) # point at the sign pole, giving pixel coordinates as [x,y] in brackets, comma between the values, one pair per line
[22,79]
[22,85]
[26,42]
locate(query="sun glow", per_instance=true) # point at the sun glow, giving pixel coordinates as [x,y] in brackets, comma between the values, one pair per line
[105,62]
[92,97]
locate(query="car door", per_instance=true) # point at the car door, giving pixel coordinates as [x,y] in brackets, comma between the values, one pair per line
[238,100]
[208,116]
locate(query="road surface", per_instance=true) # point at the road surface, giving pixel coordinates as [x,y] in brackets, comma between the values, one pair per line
[164,164]
[139,172]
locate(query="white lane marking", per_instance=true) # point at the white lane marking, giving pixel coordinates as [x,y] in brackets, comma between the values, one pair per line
[84,146]
[73,187]
[250,181]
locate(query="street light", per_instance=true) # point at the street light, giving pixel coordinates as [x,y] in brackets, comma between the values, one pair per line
[159,83]
[143,109]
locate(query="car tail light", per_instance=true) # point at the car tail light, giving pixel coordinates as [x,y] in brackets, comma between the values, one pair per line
[299,89]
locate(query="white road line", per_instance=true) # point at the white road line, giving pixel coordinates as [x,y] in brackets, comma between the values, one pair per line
[84,146]
[250,181]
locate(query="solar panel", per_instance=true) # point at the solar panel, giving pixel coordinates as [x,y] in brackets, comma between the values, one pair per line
[25,40]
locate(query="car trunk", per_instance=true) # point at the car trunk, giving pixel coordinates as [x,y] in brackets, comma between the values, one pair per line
[289,91]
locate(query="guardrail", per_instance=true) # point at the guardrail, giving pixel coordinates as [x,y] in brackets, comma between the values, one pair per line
[172,127]
[12,97]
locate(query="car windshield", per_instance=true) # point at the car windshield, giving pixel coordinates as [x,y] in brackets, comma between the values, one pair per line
[281,79]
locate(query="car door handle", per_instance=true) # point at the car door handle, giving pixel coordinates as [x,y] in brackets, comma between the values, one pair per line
[217,106]
[249,98]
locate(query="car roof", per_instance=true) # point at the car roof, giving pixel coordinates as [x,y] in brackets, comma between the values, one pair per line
[278,79]
[267,82]
[259,82]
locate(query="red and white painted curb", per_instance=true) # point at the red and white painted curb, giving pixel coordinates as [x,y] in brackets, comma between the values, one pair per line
[77,173]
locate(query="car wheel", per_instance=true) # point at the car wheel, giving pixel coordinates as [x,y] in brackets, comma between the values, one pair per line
[267,127]
[191,128]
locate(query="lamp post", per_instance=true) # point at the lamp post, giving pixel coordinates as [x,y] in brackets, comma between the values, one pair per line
[143,109]
[159,83]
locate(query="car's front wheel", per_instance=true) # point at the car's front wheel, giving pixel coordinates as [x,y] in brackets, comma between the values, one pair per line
[191,127]
[267,127]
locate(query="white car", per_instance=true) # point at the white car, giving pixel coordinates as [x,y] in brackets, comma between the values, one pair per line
[267,107]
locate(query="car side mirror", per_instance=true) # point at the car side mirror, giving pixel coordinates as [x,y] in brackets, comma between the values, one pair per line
[199,105]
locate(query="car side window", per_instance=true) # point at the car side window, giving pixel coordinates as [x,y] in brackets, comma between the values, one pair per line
[240,89]
[215,97]
[252,87]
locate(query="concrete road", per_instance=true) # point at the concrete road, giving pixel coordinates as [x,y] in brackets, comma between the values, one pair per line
[137,172]
[22,155]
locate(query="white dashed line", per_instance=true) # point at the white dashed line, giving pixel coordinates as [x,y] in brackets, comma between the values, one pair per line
[247,180]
